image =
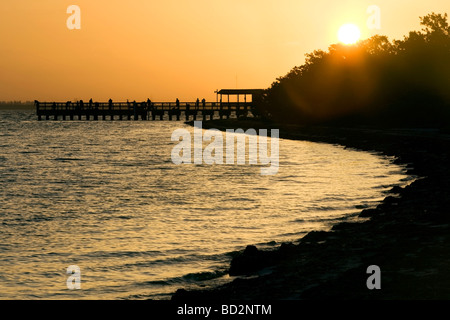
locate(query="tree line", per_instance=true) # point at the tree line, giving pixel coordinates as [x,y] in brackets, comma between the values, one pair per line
[375,82]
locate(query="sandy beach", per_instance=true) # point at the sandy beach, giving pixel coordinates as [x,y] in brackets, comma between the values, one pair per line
[407,235]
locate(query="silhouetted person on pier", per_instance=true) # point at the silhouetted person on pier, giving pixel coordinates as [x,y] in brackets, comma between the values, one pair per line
[178,103]
[197,103]
[110,103]
[149,104]
[90,103]
[81,104]
[203,103]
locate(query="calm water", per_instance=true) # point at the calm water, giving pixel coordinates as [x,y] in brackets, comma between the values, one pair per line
[106,197]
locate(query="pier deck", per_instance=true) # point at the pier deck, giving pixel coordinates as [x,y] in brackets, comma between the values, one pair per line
[139,110]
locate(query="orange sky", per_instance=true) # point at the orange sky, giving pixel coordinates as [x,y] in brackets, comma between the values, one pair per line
[163,50]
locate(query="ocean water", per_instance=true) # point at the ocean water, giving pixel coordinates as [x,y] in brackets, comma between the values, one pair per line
[106,197]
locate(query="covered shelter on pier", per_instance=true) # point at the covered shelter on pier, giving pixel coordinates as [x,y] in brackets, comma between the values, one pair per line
[255,94]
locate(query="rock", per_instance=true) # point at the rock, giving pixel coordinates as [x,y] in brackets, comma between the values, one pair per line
[368,213]
[315,236]
[396,190]
[248,262]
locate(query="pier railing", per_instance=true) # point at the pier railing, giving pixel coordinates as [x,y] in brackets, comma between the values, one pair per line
[134,110]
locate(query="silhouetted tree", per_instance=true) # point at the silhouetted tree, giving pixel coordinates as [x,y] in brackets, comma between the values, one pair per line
[404,82]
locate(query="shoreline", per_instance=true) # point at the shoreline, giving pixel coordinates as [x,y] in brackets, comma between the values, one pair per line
[407,235]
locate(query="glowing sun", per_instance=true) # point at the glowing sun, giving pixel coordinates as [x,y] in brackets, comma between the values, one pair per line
[349,34]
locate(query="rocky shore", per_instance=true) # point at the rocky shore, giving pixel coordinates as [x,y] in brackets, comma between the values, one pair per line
[407,235]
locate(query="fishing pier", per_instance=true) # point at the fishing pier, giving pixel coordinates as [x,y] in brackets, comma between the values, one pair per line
[246,100]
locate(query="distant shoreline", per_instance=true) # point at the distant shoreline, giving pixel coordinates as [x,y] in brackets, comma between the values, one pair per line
[13,106]
[408,235]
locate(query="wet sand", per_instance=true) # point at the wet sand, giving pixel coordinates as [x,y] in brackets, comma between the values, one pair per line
[407,235]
